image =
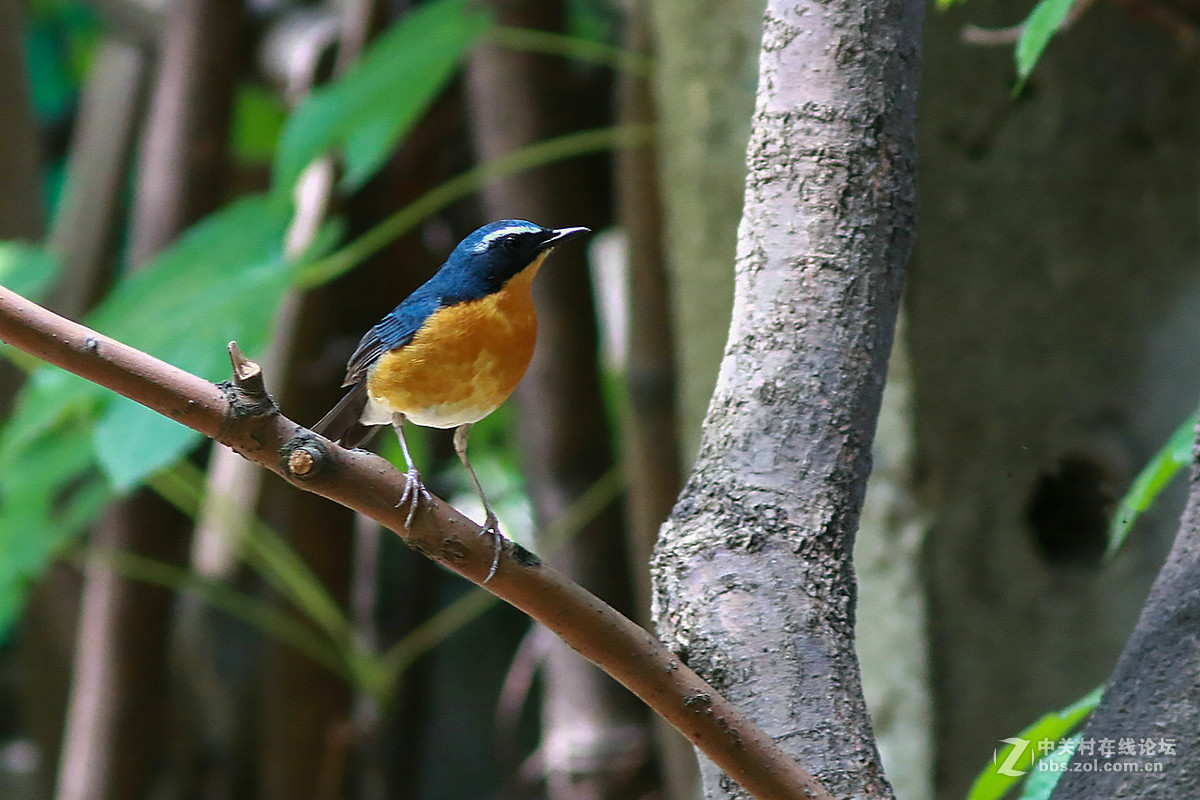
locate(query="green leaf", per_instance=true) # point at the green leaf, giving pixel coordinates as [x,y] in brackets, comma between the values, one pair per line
[221,281]
[258,117]
[1045,776]
[366,112]
[1154,477]
[1042,23]
[48,495]
[27,269]
[50,398]
[133,442]
[1006,769]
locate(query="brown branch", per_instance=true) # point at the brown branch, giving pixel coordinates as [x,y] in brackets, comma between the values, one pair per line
[241,417]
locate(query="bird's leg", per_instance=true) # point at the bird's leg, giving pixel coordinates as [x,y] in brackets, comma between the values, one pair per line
[492,524]
[414,488]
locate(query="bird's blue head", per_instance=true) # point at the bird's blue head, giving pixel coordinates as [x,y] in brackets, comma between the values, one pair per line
[499,250]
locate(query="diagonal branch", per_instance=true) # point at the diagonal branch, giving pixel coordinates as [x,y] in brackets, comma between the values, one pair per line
[241,416]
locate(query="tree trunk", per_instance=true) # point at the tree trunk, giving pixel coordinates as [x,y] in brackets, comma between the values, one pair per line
[49,620]
[651,449]
[1153,699]
[118,711]
[1052,305]
[705,69]
[87,228]
[182,164]
[754,583]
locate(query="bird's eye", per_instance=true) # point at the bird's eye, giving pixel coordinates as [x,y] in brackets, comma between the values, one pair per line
[510,245]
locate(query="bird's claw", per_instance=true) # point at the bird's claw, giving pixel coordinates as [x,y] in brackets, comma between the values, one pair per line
[414,490]
[492,525]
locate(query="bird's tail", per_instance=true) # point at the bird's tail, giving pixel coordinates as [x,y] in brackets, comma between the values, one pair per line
[341,423]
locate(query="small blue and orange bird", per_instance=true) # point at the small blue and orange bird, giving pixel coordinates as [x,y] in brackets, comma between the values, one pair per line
[453,351]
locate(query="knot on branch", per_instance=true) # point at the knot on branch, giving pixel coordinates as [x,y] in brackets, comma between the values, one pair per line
[247,392]
[303,457]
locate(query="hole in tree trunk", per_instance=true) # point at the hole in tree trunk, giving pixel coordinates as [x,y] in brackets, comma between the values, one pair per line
[1069,511]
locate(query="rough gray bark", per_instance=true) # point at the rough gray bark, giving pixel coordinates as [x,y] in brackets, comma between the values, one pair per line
[1154,693]
[1053,302]
[753,580]
[706,67]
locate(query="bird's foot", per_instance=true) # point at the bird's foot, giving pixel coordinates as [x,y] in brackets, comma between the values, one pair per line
[492,525]
[414,490]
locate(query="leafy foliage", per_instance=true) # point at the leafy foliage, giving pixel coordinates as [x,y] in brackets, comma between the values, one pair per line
[70,445]
[992,784]
[220,281]
[27,269]
[1042,23]
[363,116]
[50,489]
[1041,782]
[258,120]
[1154,477]
[77,445]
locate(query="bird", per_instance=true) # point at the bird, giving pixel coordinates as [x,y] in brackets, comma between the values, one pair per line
[451,353]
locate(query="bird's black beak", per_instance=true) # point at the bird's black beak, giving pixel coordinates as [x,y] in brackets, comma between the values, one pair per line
[561,235]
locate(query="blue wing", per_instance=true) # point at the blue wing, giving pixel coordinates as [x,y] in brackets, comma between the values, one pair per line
[452,284]
[395,330]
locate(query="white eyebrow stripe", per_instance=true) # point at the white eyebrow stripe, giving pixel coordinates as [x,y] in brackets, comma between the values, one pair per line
[502,232]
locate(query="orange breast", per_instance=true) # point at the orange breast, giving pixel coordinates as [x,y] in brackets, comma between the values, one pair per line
[464,362]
